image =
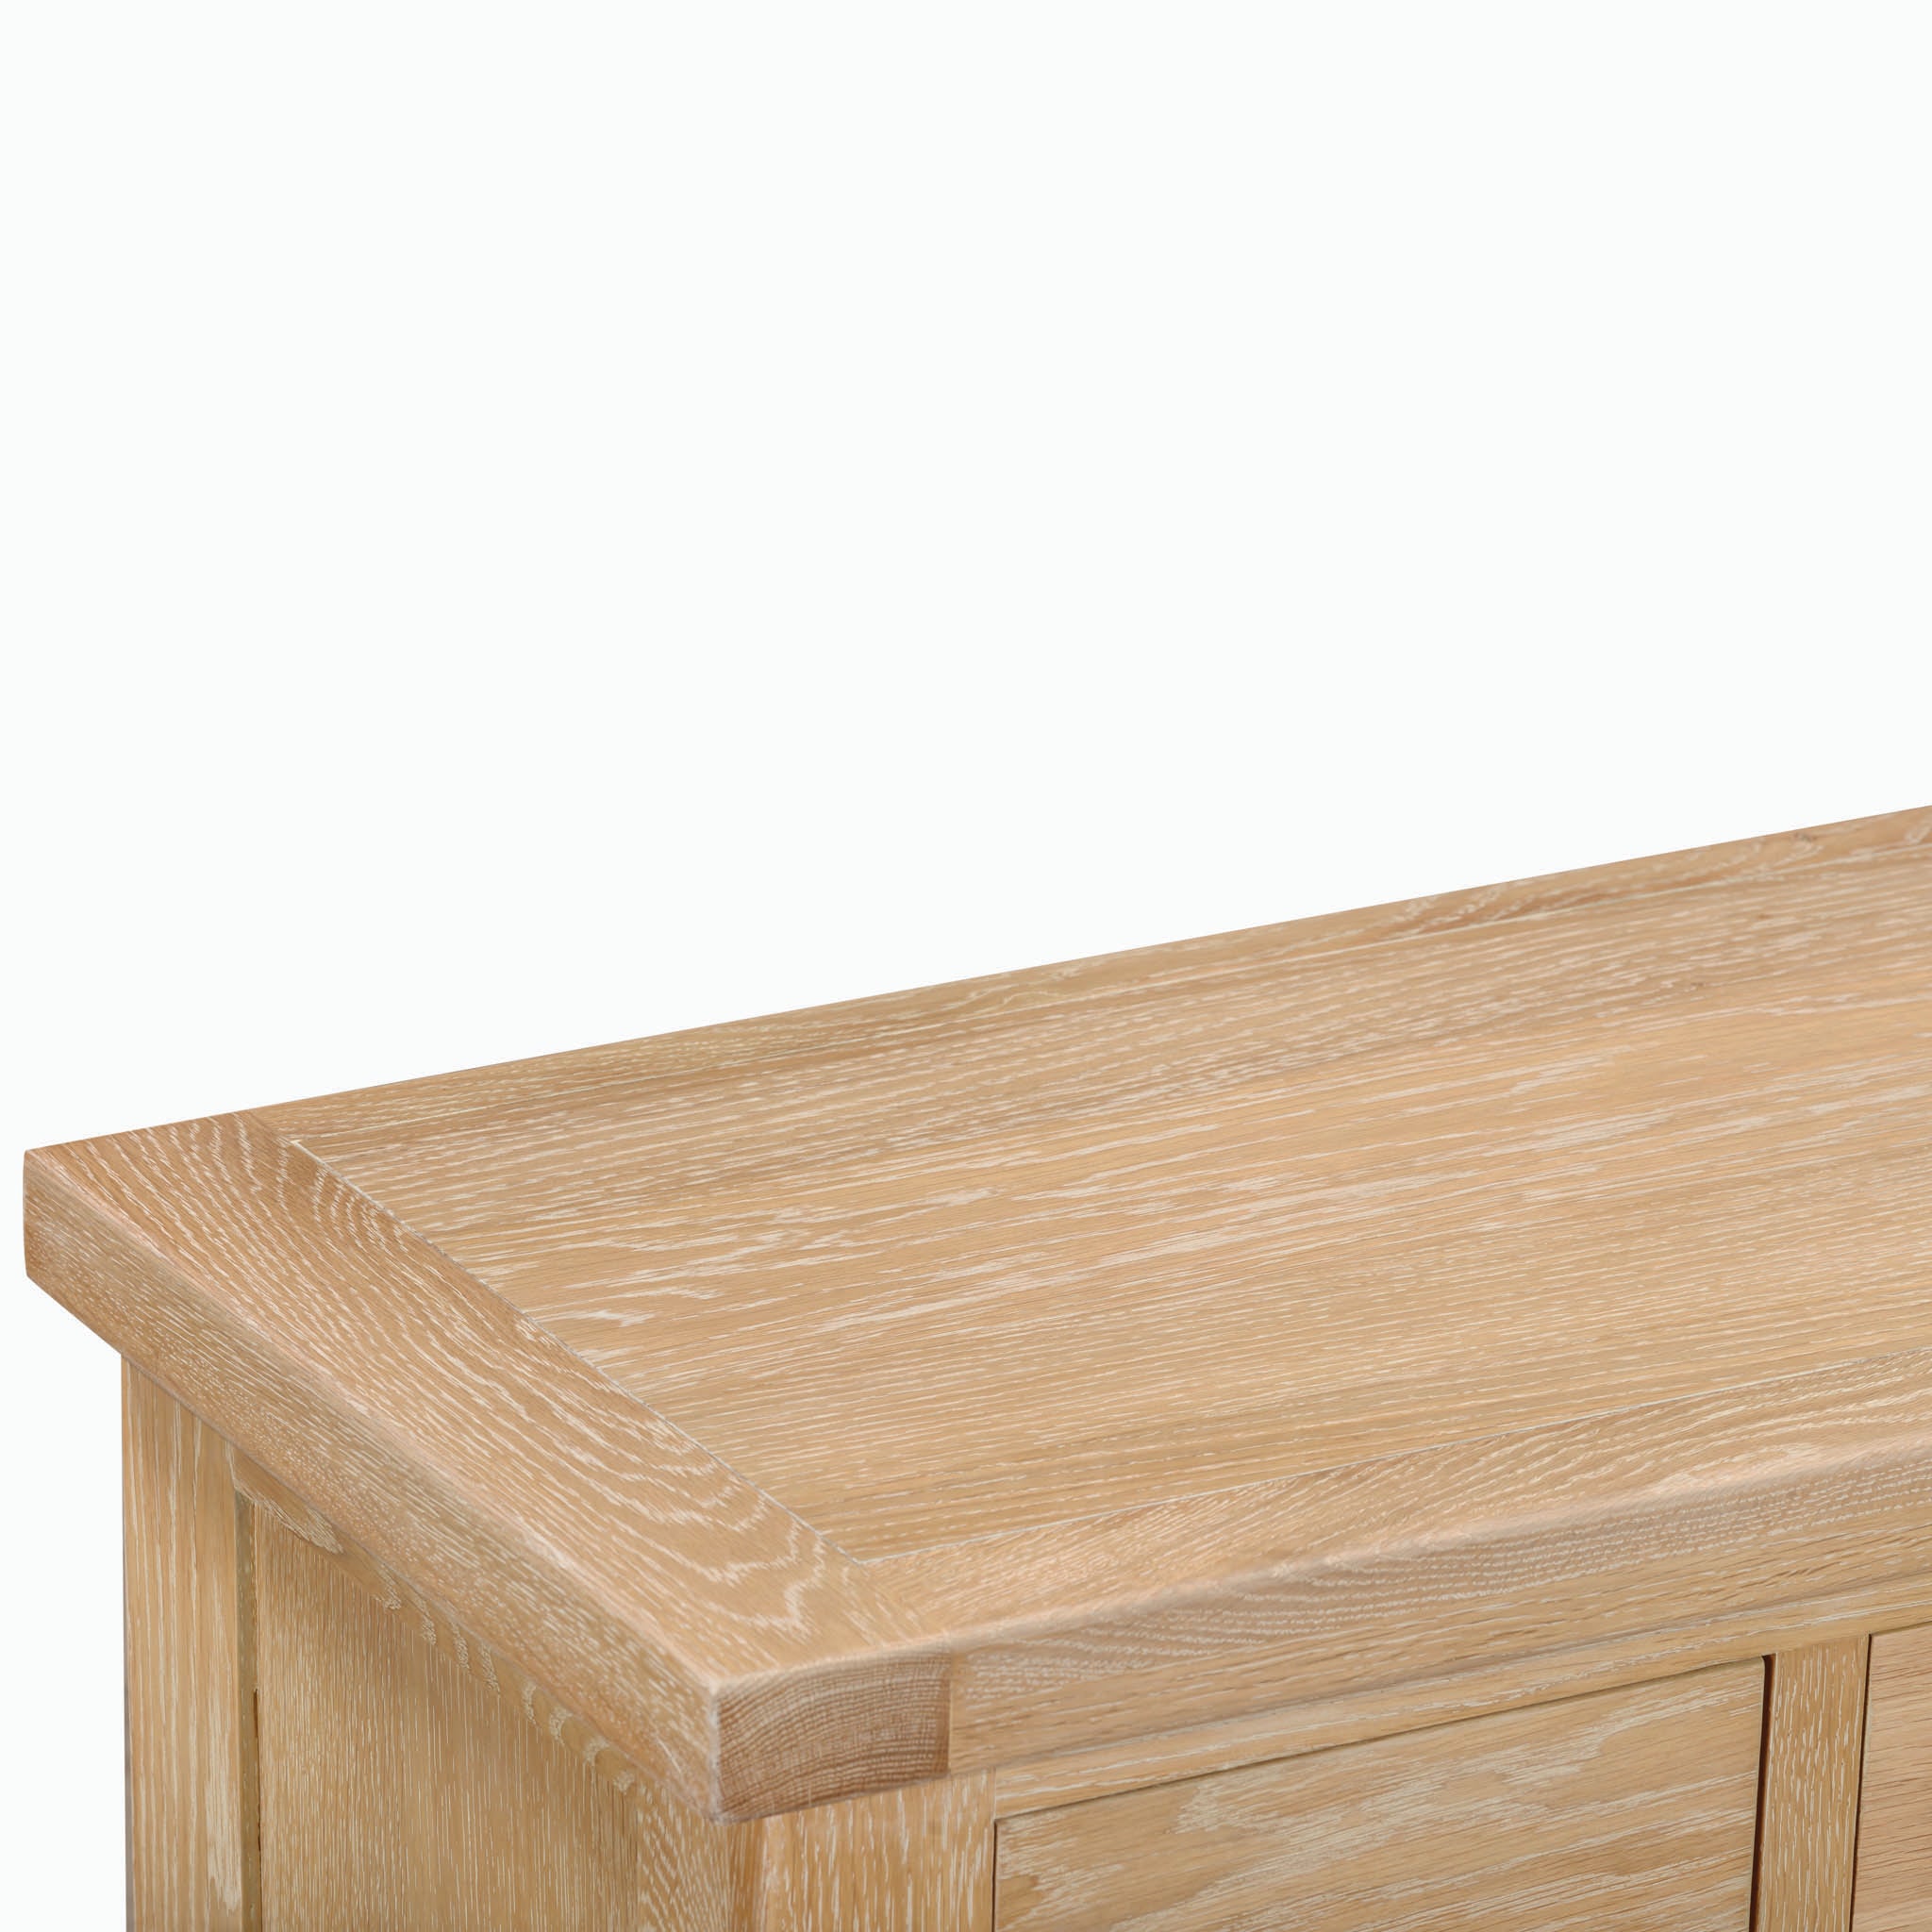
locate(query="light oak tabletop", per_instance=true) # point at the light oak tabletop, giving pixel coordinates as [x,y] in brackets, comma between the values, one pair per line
[1012,1368]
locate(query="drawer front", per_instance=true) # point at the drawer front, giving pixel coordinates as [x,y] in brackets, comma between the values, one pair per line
[1893,1891]
[1629,1809]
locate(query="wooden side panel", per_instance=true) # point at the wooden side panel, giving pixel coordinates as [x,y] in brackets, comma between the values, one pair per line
[1894,1887]
[433,1623]
[190,1736]
[918,1860]
[1814,1736]
[398,1792]
[1629,1810]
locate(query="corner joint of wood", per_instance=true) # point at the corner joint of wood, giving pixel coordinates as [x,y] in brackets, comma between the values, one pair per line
[807,1738]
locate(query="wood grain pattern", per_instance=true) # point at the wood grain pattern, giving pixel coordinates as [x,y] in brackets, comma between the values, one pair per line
[433,1623]
[1329,1314]
[566,1083]
[1356,1716]
[1088,1260]
[1629,1810]
[1814,1738]
[191,1864]
[398,1792]
[919,1859]
[1801,1493]
[1893,1891]
[627,1569]
[405,1782]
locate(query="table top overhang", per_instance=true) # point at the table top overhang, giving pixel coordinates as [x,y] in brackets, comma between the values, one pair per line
[833,1400]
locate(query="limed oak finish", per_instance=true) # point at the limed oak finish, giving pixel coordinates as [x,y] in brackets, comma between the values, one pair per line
[1631,1808]
[1894,1887]
[1430,1406]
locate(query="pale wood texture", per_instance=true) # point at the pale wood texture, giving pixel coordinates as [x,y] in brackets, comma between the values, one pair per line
[192,1837]
[1033,1784]
[1718,1510]
[674,1606]
[1894,1884]
[1426,1701]
[1814,1737]
[919,1859]
[567,1082]
[1031,1367]
[433,1623]
[397,1791]
[1629,1810]
[1064,1250]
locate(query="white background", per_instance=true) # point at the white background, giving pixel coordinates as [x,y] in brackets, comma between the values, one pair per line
[528,526]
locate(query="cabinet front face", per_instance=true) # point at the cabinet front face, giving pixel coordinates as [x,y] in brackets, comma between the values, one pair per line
[1631,1808]
[312,1744]
[1894,1887]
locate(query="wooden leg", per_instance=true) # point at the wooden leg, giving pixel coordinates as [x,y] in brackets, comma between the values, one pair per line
[192,1846]
[398,1786]
[401,1792]
[913,1860]
[401,1788]
[1813,1747]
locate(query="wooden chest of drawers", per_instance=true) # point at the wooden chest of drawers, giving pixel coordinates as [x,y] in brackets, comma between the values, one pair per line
[1410,1419]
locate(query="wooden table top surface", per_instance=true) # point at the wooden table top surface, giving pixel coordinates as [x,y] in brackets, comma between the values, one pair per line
[906,1369]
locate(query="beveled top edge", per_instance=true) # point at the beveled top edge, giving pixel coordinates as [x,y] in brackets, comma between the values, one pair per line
[637,1578]
[245,1275]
